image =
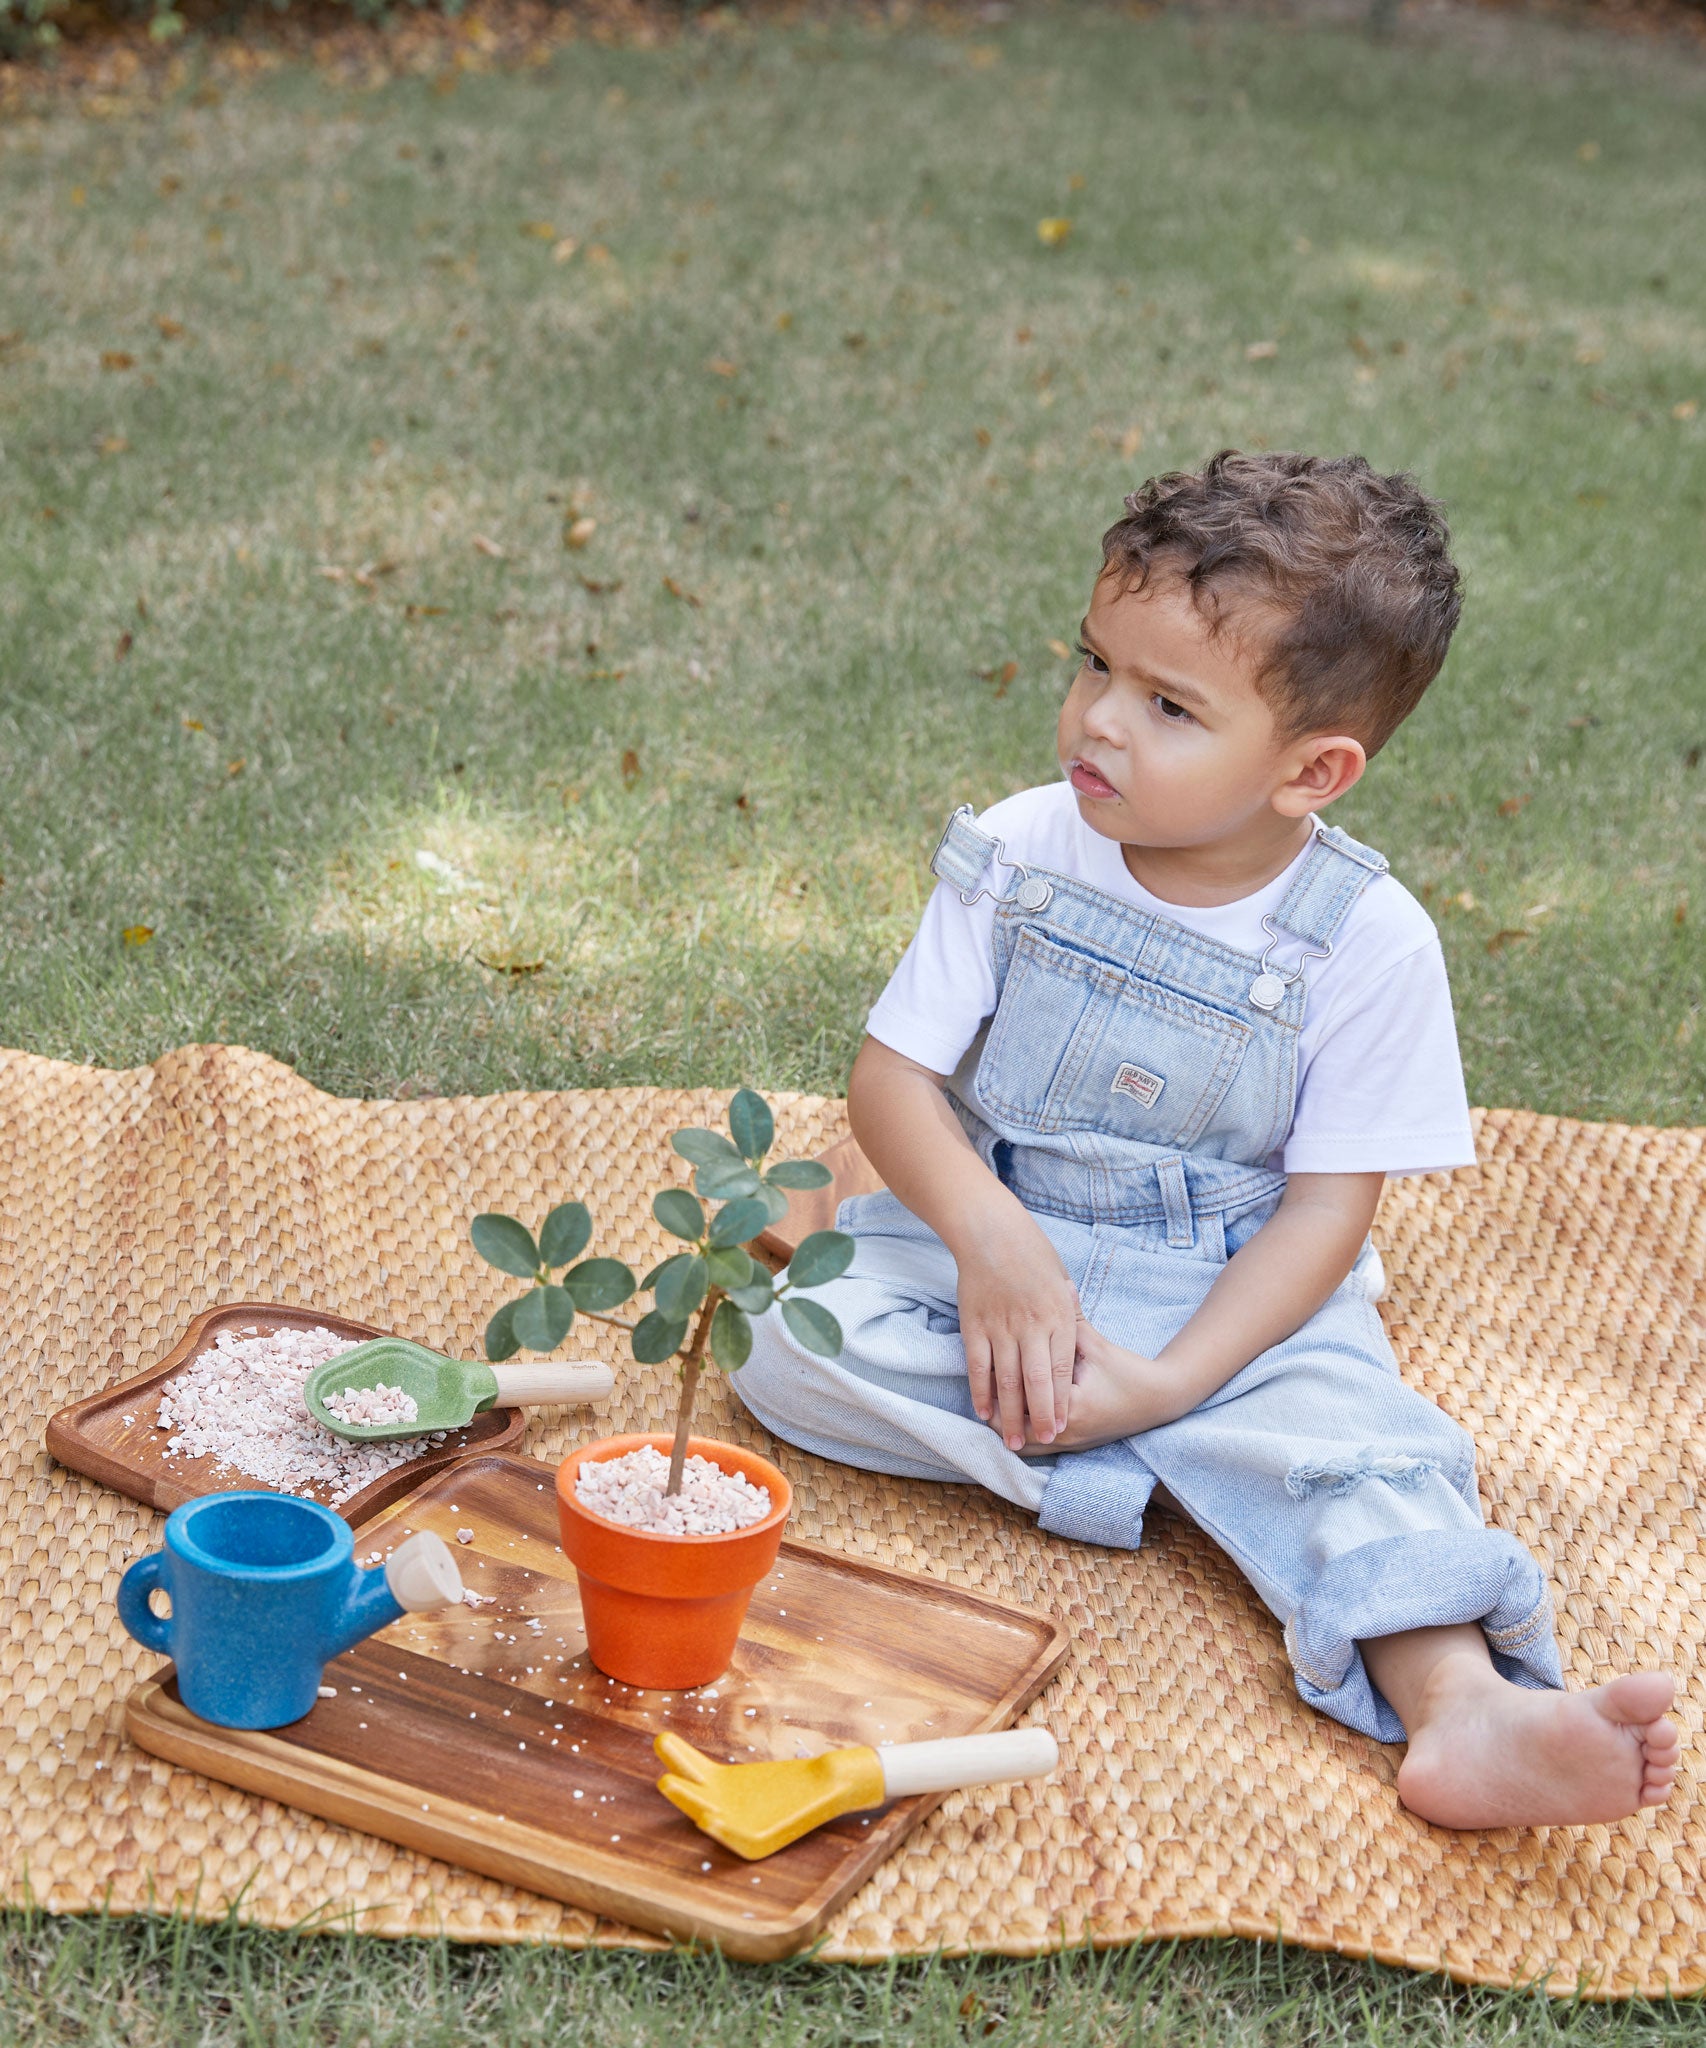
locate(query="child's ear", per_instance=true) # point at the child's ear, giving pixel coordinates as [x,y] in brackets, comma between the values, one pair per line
[1321,769]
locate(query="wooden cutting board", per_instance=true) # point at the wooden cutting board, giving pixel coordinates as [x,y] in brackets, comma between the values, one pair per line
[485,1737]
[111,1435]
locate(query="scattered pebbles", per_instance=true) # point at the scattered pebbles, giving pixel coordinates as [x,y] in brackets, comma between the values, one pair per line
[630,1490]
[241,1404]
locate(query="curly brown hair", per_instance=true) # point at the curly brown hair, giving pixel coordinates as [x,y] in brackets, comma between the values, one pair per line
[1355,567]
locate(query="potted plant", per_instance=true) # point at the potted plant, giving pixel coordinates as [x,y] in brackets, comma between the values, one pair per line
[666,1571]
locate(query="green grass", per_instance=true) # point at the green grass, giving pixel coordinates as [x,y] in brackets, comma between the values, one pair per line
[164,1984]
[901,485]
[810,362]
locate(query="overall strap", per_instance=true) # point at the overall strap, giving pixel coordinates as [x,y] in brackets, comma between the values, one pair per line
[963,856]
[1336,871]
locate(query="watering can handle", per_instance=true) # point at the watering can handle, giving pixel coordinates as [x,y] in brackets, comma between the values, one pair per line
[150,1629]
[955,1760]
[545,1385]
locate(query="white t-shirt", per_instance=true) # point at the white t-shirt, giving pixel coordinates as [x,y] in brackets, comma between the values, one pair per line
[1380,1083]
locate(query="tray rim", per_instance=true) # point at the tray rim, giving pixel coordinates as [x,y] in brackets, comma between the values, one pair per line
[347,1795]
[66,1442]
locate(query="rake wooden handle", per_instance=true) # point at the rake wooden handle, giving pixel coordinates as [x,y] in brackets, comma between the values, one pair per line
[955,1760]
[547,1386]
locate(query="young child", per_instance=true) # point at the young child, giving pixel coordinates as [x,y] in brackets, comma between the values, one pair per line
[1134,1091]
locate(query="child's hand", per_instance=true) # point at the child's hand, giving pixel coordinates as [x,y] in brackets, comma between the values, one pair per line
[1117,1393]
[1019,1318]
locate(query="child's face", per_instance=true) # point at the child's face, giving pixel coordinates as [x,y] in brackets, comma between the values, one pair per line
[1163,734]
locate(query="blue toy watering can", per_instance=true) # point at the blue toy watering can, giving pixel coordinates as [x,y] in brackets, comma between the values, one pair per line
[265,1591]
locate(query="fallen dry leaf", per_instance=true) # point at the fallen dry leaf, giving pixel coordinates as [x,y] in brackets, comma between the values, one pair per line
[686,596]
[487,546]
[1053,231]
[541,230]
[630,766]
[577,532]
[117,359]
[599,589]
[515,968]
[236,767]
[1512,804]
[983,437]
[1060,650]
[1500,940]
[170,330]
[138,934]
[720,366]
[1131,441]
[126,641]
[565,247]
[331,572]
[1685,409]
[1679,916]
[194,725]
[425,611]
[1260,351]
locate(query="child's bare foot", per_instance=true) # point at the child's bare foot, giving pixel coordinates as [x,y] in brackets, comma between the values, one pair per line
[1485,1753]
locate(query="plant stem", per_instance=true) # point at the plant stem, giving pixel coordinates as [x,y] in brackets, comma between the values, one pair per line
[598,1316]
[691,1361]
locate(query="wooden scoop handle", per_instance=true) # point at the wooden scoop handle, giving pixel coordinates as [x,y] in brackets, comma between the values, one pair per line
[546,1386]
[955,1760]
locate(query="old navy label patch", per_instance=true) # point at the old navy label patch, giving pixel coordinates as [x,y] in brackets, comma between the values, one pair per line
[1140,1084]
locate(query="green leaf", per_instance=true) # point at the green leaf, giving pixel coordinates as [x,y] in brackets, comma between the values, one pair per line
[756,1298]
[820,1258]
[751,1125]
[599,1283]
[729,1268]
[501,1340]
[682,1288]
[775,1203]
[564,1233]
[703,1146]
[813,1324]
[655,1338]
[680,1214]
[740,1220]
[543,1318]
[731,1337]
[799,1173]
[506,1244]
[725,1177]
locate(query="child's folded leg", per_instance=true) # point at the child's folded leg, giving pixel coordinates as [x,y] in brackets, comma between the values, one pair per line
[896,1399]
[1348,1500]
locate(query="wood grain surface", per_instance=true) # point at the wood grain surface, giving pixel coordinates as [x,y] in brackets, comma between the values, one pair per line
[111,1436]
[484,1736]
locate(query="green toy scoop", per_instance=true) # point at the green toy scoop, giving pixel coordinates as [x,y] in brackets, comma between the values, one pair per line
[447,1392]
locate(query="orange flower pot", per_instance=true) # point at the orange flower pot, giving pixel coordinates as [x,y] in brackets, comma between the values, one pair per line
[667,1610]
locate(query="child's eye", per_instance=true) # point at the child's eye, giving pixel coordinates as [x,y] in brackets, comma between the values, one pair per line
[1174,714]
[1093,662]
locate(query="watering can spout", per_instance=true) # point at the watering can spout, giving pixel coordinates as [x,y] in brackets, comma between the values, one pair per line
[419,1574]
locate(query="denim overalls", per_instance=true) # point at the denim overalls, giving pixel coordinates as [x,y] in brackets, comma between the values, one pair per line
[1130,1088]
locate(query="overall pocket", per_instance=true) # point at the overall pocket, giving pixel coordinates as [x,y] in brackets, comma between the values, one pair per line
[1081,1044]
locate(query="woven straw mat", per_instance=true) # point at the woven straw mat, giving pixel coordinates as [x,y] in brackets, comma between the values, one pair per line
[1549,1300]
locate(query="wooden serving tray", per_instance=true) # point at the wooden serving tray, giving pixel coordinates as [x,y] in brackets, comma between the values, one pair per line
[484,1735]
[111,1435]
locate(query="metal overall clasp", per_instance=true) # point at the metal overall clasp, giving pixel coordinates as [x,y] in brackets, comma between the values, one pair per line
[1268,989]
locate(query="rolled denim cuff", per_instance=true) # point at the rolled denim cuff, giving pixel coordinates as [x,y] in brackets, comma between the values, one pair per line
[1098,1497]
[1429,1580]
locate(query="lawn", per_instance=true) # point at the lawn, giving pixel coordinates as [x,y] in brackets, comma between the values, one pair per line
[505,575]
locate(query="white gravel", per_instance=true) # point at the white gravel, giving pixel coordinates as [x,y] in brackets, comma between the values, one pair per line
[372,1406]
[630,1490]
[241,1404]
